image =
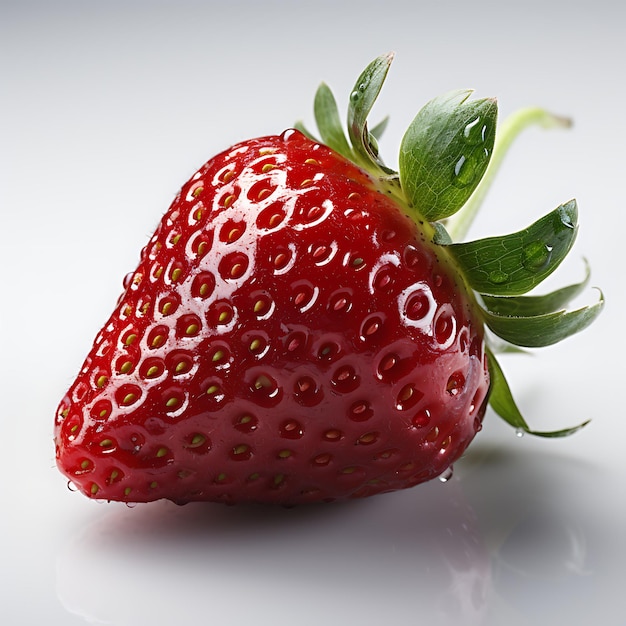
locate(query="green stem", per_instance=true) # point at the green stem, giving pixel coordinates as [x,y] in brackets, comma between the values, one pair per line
[459,224]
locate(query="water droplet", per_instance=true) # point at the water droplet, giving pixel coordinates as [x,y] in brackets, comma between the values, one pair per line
[497,277]
[289,135]
[519,432]
[71,486]
[566,218]
[536,255]
[130,505]
[446,475]
[474,132]
[464,172]
[356,94]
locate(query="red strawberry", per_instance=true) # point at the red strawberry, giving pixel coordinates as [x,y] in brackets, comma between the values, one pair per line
[300,327]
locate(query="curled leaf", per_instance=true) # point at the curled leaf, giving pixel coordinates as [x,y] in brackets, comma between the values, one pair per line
[362,98]
[538,331]
[502,402]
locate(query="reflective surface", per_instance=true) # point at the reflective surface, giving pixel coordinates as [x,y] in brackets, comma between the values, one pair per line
[450,554]
[107,110]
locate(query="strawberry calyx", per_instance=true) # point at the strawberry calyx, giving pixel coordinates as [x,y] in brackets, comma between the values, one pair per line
[448,159]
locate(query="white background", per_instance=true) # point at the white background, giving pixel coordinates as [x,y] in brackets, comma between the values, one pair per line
[106,109]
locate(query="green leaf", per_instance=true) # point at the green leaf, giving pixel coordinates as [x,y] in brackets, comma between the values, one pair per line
[445,152]
[502,402]
[538,331]
[527,306]
[514,264]
[362,98]
[329,123]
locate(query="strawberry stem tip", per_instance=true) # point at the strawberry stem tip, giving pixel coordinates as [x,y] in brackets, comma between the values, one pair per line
[448,159]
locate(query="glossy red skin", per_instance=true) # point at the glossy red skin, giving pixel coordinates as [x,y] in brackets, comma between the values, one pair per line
[316,346]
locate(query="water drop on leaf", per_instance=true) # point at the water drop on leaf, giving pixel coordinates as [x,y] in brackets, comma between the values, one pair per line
[566,217]
[497,277]
[536,255]
[474,132]
[464,172]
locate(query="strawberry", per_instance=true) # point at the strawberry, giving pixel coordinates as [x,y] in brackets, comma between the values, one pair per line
[302,328]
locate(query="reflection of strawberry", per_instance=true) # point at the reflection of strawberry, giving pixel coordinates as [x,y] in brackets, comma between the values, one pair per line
[300,329]
[427,551]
